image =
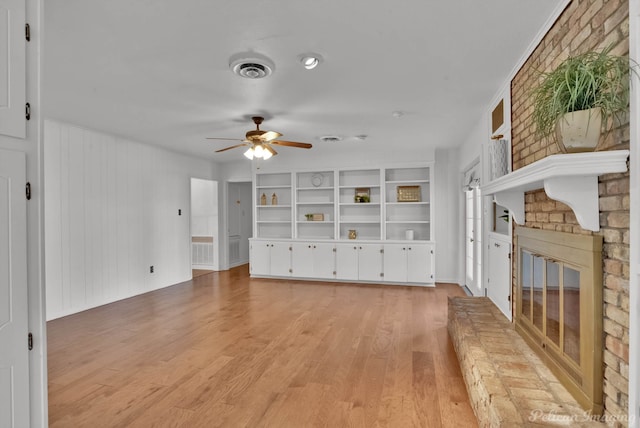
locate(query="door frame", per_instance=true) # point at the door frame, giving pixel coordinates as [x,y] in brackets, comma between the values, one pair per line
[474,168]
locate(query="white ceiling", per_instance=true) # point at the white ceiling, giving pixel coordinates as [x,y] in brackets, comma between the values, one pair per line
[158,71]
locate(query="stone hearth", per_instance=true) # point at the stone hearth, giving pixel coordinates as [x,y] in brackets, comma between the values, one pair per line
[508,384]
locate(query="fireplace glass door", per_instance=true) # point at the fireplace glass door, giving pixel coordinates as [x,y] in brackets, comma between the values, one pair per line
[547,287]
[559,307]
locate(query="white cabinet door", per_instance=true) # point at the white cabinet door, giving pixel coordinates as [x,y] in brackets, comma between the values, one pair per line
[14,310]
[281,258]
[302,260]
[370,262]
[347,262]
[324,261]
[499,286]
[395,262]
[419,263]
[260,258]
[12,68]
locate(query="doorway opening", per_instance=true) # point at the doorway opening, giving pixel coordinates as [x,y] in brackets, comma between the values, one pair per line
[204,227]
[240,222]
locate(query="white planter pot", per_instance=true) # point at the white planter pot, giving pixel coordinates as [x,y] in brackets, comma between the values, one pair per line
[579,131]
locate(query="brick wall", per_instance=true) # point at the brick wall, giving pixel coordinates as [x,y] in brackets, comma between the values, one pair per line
[585,25]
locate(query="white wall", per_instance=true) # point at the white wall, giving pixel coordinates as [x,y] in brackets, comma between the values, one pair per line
[447,185]
[111,213]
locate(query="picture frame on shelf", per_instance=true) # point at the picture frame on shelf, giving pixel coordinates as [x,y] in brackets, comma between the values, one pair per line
[362,195]
[408,193]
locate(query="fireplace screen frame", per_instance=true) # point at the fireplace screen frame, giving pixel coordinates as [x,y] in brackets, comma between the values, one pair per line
[583,253]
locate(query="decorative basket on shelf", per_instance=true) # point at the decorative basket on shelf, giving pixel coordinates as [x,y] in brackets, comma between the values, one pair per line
[408,193]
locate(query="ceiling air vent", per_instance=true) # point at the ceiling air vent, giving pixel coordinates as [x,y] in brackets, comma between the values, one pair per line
[330,138]
[251,65]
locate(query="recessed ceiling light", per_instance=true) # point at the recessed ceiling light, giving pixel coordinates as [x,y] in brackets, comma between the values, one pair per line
[397,114]
[310,60]
[361,137]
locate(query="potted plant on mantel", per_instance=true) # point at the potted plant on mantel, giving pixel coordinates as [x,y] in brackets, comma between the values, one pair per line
[584,95]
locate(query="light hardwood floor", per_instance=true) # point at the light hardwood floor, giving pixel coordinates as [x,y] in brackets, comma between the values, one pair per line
[226,350]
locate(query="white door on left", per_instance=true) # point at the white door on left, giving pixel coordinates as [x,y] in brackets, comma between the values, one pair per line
[14,354]
[12,68]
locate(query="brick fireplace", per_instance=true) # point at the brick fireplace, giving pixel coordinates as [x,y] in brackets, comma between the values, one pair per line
[584,25]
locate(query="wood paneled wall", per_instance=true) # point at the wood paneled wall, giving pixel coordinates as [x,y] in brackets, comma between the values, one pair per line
[111,212]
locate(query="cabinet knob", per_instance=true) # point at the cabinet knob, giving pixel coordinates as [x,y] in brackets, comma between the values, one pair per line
[355,248]
[431,251]
[314,246]
[309,246]
[496,244]
[361,248]
[403,249]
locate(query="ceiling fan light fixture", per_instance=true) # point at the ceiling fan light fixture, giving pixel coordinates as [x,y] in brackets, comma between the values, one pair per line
[249,153]
[310,60]
[266,154]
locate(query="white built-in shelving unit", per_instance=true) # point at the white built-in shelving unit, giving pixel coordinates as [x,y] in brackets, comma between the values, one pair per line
[306,234]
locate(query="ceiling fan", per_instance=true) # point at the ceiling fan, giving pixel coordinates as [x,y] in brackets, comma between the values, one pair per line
[260,142]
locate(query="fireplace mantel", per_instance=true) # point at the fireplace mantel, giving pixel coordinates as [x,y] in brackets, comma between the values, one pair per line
[568,178]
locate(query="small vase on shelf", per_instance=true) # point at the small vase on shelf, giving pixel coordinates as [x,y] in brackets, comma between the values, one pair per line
[274,199]
[263,199]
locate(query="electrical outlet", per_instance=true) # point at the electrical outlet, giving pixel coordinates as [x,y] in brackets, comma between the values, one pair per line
[150,269]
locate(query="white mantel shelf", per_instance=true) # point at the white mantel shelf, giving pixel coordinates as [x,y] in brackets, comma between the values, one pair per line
[568,178]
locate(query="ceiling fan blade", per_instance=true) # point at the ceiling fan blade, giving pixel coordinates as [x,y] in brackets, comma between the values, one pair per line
[232,147]
[270,135]
[227,139]
[271,149]
[291,144]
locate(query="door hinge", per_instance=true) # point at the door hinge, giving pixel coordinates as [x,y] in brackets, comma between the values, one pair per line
[27,111]
[27,32]
[334,250]
[508,298]
[509,255]
[27,191]
[30,341]
[290,270]
[381,274]
[381,251]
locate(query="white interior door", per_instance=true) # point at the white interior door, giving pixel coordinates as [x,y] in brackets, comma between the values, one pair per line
[12,68]
[14,354]
[499,286]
